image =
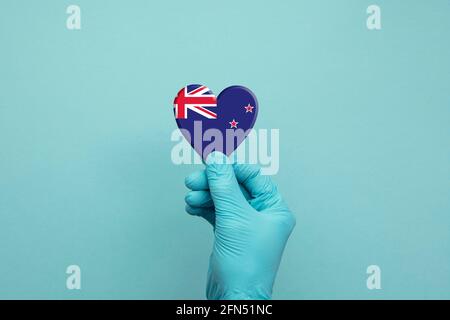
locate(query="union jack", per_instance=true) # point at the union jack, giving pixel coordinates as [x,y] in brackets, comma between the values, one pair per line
[195,97]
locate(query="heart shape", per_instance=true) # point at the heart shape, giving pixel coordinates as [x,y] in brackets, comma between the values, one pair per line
[211,124]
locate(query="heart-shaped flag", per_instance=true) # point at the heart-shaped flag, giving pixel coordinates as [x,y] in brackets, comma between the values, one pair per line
[215,124]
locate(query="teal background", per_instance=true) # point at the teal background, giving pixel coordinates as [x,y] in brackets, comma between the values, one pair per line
[86,116]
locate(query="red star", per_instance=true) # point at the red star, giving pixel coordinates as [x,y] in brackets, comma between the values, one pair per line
[233,124]
[248,108]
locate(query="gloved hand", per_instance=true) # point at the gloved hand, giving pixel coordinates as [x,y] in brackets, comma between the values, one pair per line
[251,226]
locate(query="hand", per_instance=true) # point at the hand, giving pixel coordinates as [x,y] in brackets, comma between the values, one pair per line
[251,226]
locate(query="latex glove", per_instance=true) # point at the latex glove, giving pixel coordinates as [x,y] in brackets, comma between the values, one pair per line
[251,226]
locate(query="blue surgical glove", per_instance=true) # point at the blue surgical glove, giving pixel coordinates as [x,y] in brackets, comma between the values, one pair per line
[251,226]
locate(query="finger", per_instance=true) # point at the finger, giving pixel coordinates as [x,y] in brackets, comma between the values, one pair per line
[199,199]
[244,191]
[262,189]
[224,187]
[207,213]
[197,181]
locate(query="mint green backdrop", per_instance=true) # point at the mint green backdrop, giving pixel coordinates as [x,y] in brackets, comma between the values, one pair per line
[86,116]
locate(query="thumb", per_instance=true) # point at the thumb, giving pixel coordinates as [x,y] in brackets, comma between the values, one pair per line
[223,185]
[263,191]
